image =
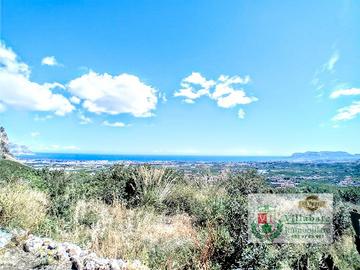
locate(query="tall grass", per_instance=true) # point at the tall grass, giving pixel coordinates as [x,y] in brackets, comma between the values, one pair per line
[141,233]
[21,207]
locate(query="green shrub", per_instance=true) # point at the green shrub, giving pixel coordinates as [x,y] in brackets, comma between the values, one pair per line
[64,190]
[245,183]
[135,186]
[185,198]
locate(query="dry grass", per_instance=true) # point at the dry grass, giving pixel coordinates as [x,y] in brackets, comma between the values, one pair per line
[118,232]
[344,252]
[21,207]
[156,183]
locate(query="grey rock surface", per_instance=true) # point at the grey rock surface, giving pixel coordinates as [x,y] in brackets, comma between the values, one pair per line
[33,252]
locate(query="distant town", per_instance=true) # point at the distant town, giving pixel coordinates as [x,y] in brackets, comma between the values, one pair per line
[278,173]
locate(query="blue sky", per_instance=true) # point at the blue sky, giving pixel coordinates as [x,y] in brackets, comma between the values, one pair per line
[181,77]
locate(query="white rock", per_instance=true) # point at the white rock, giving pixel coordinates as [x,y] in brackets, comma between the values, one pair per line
[89,264]
[72,249]
[115,265]
[60,253]
[49,244]
[33,244]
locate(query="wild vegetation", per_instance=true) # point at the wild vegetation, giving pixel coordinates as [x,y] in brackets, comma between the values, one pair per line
[164,219]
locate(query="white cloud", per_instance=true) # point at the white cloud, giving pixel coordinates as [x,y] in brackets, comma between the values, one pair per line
[330,64]
[75,100]
[35,134]
[124,93]
[235,98]
[345,92]
[225,83]
[163,97]
[189,101]
[194,86]
[84,120]
[49,61]
[348,112]
[71,147]
[241,114]
[43,118]
[9,62]
[18,91]
[223,90]
[323,74]
[113,124]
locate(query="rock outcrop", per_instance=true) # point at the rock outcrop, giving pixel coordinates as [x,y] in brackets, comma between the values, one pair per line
[4,145]
[20,251]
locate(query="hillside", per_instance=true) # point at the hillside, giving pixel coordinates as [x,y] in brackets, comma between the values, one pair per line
[13,170]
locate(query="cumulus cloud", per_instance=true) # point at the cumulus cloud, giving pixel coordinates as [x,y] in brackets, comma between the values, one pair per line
[75,100]
[348,112]
[49,61]
[18,91]
[124,93]
[194,86]
[84,120]
[225,91]
[345,92]
[113,124]
[241,114]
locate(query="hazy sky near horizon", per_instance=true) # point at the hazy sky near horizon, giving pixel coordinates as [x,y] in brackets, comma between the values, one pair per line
[181,77]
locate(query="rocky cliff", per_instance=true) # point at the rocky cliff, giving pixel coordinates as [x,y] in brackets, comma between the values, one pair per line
[4,145]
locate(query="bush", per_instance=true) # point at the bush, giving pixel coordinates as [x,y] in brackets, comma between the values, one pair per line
[245,183]
[135,186]
[21,207]
[64,190]
[186,198]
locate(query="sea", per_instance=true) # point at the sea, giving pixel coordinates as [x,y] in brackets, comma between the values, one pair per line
[147,158]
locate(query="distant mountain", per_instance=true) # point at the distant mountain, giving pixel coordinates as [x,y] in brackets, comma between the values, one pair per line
[324,155]
[19,150]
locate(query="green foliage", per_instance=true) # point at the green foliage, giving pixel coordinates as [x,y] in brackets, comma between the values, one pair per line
[135,186]
[115,184]
[183,198]
[217,216]
[12,171]
[245,183]
[64,190]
